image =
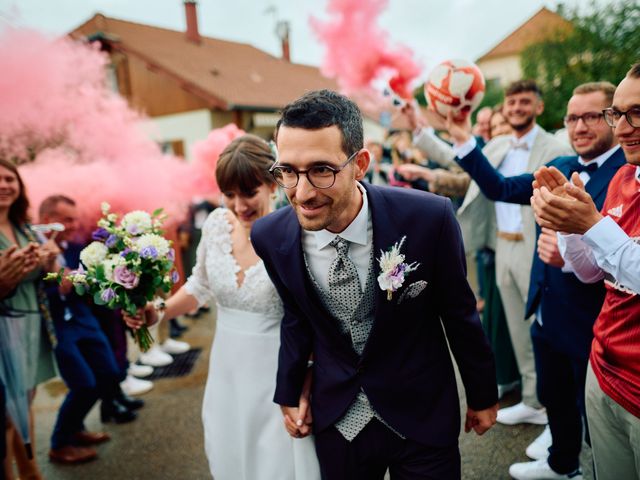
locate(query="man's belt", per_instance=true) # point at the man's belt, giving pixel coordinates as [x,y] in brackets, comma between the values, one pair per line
[512,237]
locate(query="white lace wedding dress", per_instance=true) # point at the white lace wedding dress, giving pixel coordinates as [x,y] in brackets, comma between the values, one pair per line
[244,434]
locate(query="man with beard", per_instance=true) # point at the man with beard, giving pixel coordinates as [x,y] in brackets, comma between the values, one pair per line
[564,307]
[603,244]
[514,238]
[373,285]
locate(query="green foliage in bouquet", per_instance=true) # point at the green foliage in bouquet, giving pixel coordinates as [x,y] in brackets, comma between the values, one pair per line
[128,264]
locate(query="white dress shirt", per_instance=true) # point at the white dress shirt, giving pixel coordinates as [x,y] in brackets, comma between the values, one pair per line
[320,255]
[604,248]
[508,215]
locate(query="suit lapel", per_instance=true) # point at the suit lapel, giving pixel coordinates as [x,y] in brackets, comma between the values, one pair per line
[599,181]
[385,235]
[537,150]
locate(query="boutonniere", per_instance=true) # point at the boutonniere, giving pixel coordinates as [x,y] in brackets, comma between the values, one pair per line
[393,269]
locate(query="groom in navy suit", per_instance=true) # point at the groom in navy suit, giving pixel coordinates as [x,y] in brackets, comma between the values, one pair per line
[565,308]
[384,393]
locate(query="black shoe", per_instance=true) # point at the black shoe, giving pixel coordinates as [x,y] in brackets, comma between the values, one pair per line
[113,410]
[175,328]
[129,402]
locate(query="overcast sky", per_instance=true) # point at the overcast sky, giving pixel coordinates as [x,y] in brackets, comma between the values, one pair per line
[434,29]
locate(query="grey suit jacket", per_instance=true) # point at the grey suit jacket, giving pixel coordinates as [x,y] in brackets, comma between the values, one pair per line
[477,213]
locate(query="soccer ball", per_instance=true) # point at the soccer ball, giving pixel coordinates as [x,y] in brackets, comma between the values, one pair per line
[456,85]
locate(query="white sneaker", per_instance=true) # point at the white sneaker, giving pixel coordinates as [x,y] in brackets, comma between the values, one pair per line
[540,470]
[521,413]
[175,347]
[135,386]
[539,448]
[139,371]
[156,357]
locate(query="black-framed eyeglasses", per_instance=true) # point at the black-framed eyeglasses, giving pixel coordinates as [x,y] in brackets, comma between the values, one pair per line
[612,116]
[319,176]
[590,119]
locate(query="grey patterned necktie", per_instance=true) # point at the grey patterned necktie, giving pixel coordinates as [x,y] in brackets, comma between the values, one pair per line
[344,284]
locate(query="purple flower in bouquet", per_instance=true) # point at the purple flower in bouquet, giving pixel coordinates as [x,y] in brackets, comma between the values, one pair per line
[111,240]
[171,256]
[149,252]
[125,277]
[125,252]
[100,234]
[133,229]
[108,295]
[175,276]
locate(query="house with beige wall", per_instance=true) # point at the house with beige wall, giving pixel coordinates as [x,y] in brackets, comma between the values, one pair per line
[502,62]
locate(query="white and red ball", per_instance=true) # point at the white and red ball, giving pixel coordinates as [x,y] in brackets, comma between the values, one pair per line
[456,85]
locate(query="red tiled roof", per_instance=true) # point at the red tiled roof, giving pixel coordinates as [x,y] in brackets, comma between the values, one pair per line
[542,24]
[228,75]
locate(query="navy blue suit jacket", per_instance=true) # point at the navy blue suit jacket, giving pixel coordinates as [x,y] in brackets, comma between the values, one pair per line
[569,307]
[406,367]
[77,306]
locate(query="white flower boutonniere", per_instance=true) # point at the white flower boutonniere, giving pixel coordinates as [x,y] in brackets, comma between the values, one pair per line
[393,269]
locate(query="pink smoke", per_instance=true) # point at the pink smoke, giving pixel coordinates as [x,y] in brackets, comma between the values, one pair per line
[358,51]
[74,135]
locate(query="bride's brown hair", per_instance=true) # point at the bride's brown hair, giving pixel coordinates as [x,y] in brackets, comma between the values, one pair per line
[244,165]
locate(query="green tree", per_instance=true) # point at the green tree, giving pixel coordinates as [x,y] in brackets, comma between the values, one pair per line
[602,45]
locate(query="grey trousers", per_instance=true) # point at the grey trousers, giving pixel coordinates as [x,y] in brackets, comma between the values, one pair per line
[513,269]
[615,434]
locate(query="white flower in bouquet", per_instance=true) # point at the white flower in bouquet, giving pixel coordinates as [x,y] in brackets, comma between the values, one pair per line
[93,254]
[112,262]
[152,245]
[105,207]
[137,222]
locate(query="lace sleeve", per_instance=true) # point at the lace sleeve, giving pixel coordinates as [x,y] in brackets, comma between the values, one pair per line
[198,283]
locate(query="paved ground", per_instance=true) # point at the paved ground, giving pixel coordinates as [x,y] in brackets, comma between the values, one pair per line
[166,440]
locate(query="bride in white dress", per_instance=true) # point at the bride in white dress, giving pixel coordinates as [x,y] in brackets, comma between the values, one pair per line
[245,438]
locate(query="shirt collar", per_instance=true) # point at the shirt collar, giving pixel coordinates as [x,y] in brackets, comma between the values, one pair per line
[529,138]
[356,232]
[601,158]
[638,174]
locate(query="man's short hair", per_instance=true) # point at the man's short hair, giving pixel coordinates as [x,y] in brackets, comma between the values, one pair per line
[634,72]
[607,88]
[523,86]
[50,203]
[325,108]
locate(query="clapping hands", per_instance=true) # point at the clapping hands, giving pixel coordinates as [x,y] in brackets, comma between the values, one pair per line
[47,254]
[15,264]
[560,205]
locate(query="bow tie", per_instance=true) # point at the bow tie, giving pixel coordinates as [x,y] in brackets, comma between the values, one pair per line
[579,167]
[516,145]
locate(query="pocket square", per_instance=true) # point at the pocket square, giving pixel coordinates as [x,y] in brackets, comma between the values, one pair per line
[413,290]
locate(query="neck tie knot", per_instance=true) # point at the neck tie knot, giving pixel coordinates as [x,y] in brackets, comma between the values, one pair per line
[341,245]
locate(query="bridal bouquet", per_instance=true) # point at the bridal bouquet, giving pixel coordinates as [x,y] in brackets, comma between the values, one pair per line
[128,264]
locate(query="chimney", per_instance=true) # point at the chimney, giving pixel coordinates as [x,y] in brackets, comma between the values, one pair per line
[282,30]
[192,21]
